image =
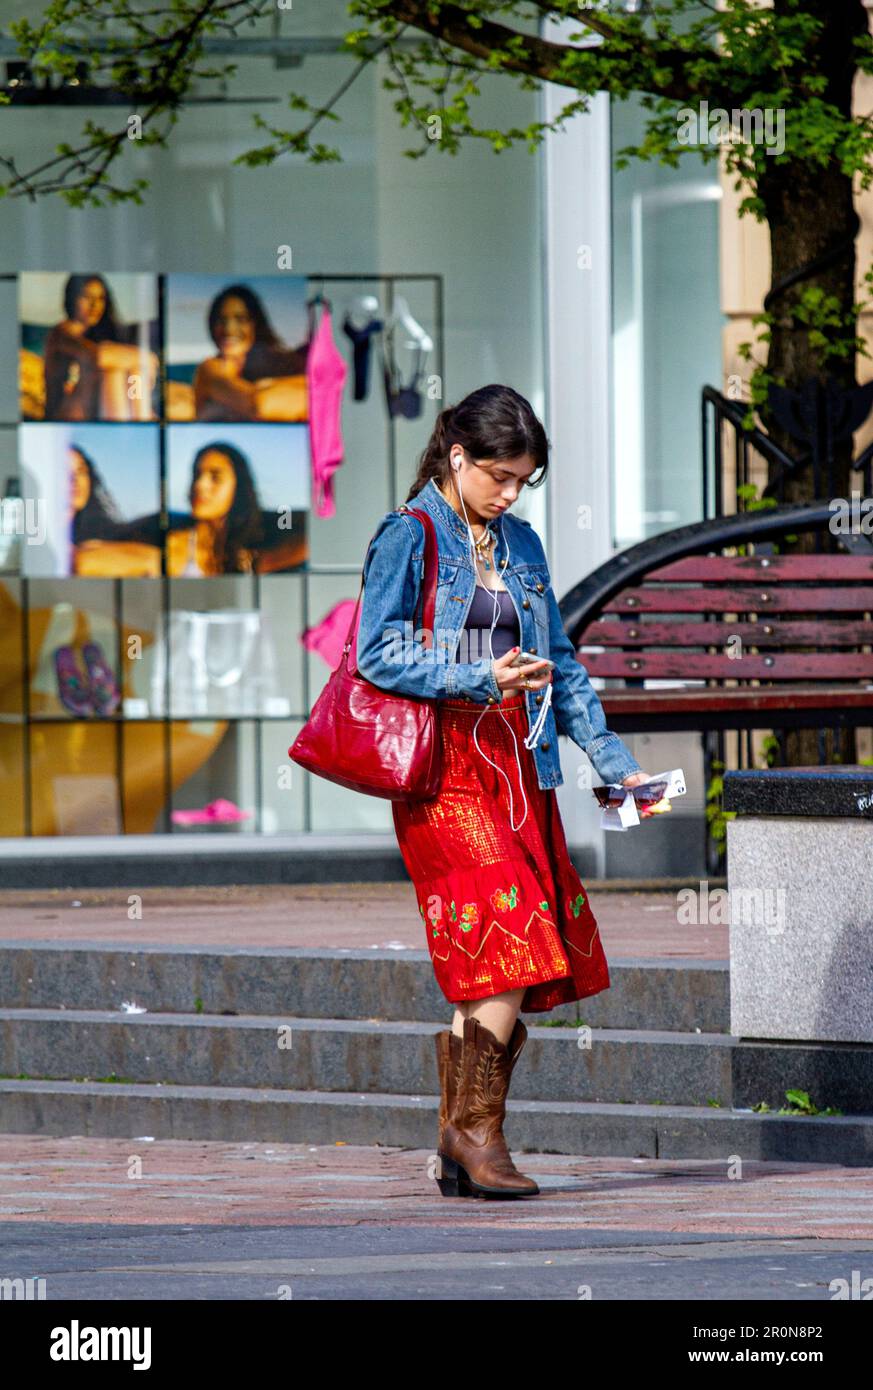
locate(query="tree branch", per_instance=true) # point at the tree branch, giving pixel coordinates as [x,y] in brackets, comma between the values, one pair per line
[661,70]
[179,52]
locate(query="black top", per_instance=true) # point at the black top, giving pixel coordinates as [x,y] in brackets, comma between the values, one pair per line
[479,620]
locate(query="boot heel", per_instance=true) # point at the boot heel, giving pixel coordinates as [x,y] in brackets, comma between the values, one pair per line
[452,1179]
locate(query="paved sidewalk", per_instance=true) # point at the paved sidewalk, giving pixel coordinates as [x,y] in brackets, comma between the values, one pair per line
[255,1221]
[197,1182]
[633,923]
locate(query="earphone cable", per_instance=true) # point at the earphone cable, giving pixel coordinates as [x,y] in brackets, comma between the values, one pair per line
[534,733]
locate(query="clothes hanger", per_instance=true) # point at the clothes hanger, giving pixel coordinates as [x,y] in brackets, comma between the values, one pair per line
[319,297]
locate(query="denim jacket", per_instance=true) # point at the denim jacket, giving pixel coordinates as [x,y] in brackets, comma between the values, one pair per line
[390,655]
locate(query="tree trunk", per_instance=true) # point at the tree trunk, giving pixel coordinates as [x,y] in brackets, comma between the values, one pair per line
[813,226]
[811,215]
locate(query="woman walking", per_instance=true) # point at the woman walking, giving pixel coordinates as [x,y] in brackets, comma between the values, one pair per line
[508,923]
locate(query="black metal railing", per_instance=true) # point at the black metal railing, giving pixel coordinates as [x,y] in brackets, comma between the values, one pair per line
[818,418]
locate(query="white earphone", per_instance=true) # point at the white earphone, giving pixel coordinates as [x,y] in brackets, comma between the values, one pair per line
[532,737]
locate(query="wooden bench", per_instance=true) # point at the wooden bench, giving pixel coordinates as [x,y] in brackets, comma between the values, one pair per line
[675,608]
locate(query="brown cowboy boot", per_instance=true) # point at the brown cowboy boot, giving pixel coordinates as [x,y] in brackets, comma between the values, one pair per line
[473,1155]
[448,1056]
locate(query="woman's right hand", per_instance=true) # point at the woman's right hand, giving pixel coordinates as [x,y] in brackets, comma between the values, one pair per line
[510,677]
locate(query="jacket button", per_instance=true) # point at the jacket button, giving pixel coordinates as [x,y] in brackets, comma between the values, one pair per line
[491,700]
[532,649]
[540,587]
[545,745]
[538,699]
[525,603]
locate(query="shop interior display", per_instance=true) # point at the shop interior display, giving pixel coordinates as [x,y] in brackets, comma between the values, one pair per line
[366,308]
[405,398]
[92,690]
[173,427]
[327,636]
[219,812]
[221,663]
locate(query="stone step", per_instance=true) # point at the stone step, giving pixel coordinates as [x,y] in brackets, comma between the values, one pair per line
[614,1066]
[233,1114]
[344,1054]
[195,859]
[670,995]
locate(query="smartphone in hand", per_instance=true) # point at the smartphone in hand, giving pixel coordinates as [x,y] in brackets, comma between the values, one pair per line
[528,658]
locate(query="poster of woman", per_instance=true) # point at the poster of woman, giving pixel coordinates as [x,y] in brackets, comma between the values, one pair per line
[89,346]
[238,498]
[97,491]
[236,349]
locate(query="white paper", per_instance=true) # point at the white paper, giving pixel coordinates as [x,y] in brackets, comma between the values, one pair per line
[620,817]
[610,819]
[624,816]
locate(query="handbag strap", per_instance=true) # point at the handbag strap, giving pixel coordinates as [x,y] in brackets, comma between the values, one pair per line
[427,595]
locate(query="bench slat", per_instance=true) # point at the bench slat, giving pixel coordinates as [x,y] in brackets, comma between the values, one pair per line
[834,568]
[764,698]
[755,599]
[768,633]
[779,666]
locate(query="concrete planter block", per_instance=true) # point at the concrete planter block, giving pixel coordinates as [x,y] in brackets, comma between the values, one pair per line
[800,884]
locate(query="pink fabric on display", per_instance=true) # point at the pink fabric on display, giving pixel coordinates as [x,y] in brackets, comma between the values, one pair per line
[328,636]
[216,812]
[326,374]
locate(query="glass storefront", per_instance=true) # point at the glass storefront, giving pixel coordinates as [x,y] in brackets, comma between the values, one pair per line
[148,683]
[667,325]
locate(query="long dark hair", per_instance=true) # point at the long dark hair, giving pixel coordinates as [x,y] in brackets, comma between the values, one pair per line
[107,329]
[268,355]
[494,422]
[99,519]
[245,527]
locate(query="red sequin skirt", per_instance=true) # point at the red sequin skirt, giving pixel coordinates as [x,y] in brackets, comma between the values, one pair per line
[503,908]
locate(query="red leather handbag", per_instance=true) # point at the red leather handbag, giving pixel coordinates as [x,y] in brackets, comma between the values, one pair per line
[372,740]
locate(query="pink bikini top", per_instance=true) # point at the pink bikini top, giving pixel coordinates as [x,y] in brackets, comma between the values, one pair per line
[326,374]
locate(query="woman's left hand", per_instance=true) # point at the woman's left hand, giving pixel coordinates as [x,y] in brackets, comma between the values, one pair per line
[635,779]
